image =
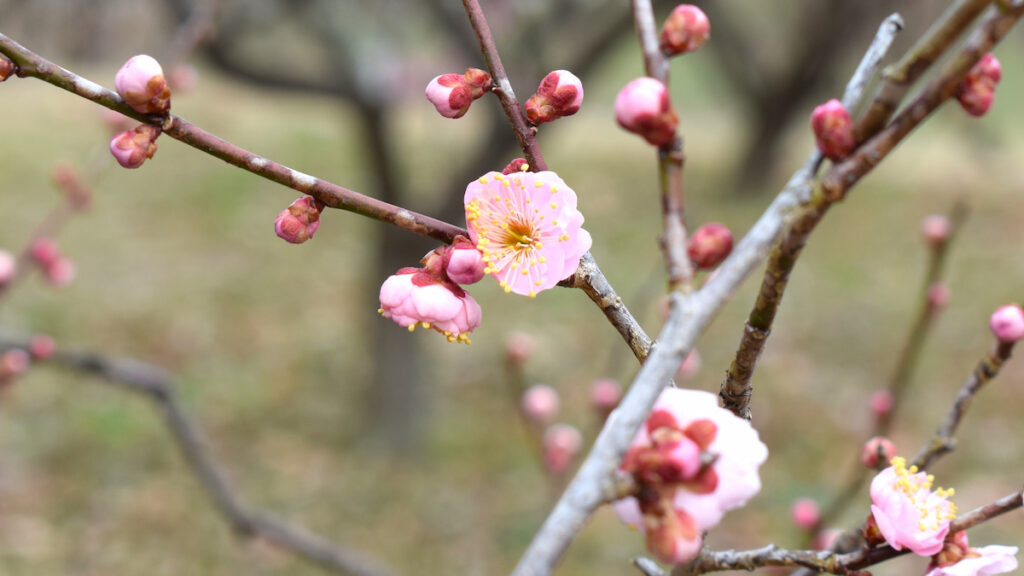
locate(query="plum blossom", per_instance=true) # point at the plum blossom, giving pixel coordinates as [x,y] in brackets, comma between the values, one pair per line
[907,512]
[141,83]
[415,297]
[561,444]
[959,559]
[692,461]
[528,229]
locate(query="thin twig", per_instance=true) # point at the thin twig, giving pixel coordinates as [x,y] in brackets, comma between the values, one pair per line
[155,385]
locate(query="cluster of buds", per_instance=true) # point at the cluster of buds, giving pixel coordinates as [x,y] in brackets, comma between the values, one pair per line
[685,30]
[78,195]
[709,245]
[643,108]
[957,558]
[452,94]
[430,297]
[978,89]
[299,221]
[833,130]
[140,82]
[560,94]
[58,269]
[691,462]
[1007,323]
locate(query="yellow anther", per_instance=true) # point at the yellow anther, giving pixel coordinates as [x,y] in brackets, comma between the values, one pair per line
[525,272]
[533,294]
[426,325]
[482,180]
[524,167]
[412,327]
[554,189]
[508,289]
[538,184]
[554,222]
[554,206]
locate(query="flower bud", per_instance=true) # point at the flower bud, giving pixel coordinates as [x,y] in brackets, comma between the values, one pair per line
[1007,323]
[7,68]
[60,273]
[44,252]
[140,81]
[805,513]
[877,452]
[133,147]
[452,94]
[604,396]
[833,130]
[463,262]
[881,403]
[78,195]
[517,165]
[42,347]
[643,107]
[13,362]
[518,348]
[8,267]
[939,295]
[560,94]
[299,221]
[709,245]
[685,30]
[561,444]
[978,89]
[935,229]
[689,367]
[540,403]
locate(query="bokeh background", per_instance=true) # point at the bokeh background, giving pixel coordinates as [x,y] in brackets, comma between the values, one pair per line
[401,445]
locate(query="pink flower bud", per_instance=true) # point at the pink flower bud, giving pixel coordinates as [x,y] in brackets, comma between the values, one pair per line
[685,30]
[939,295]
[689,367]
[299,221]
[12,363]
[561,444]
[881,403]
[42,347]
[518,348]
[877,451]
[833,130]
[132,148]
[709,245]
[805,513]
[140,81]
[60,273]
[517,165]
[560,94]
[79,196]
[7,68]
[183,78]
[463,262]
[935,229]
[452,94]
[1007,323]
[44,252]
[8,267]
[978,89]
[540,403]
[604,396]
[643,107]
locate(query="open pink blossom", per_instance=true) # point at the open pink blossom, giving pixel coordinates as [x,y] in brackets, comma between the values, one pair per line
[141,83]
[985,561]
[416,297]
[527,227]
[693,462]
[908,513]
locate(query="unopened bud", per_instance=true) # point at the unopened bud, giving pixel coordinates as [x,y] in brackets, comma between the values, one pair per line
[8,267]
[935,229]
[685,30]
[540,403]
[141,83]
[516,166]
[805,513]
[78,195]
[463,262]
[643,107]
[560,94]
[833,130]
[561,444]
[44,252]
[939,295]
[978,90]
[1007,323]
[452,94]
[604,396]
[519,347]
[7,68]
[709,245]
[689,367]
[877,452]
[60,273]
[132,148]
[13,362]
[42,347]
[299,221]
[880,403]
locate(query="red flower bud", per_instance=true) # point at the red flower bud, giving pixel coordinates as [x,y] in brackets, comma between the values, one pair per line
[833,130]
[709,245]
[977,92]
[685,30]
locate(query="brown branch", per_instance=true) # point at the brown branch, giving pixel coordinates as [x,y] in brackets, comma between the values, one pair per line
[155,385]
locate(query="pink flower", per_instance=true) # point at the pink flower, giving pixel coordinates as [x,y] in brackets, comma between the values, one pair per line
[693,462]
[8,267]
[560,94]
[985,561]
[685,30]
[463,262]
[416,297]
[452,94]
[133,147]
[540,403]
[604,396]
[709,245]
[833,130]
[561,444]
[140,81]
[527,227]
[877,449]
[978,90]
[1007,323]
[643,107]
[908,513]
[805,513]
[299,221]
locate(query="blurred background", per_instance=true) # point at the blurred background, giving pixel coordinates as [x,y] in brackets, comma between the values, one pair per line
[401,445]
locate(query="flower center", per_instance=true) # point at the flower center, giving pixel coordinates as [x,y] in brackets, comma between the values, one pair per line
[933,507]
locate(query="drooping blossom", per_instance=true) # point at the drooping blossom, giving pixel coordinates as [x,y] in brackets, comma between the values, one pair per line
[540,403]
[709,245]
[907,512]
[133,147]
[685,30]
[463,263]
[978,90]
[957,558]
[527,227]
[876,452]
[833,130]
[299,221]
[561,444]
[805,513]
[692,462]
[1007,323]
[451,94]
[560,94]
[141,83]
[643,108]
